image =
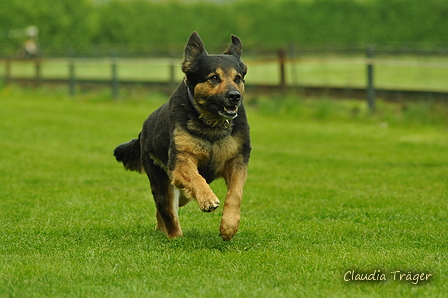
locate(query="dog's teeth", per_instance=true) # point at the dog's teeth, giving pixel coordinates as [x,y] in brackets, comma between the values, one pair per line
[231,109]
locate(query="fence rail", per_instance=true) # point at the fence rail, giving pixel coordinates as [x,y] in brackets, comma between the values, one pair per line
[358,75]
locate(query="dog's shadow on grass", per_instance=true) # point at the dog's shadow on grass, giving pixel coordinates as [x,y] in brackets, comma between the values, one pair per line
[147,238]
[195,239]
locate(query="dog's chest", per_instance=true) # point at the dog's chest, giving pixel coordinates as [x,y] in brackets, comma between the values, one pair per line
[216,157]
[211,157]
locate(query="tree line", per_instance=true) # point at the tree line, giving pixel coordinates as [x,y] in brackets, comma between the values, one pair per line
[144,26]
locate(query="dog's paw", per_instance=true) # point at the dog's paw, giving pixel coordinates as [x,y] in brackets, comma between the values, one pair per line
[229,226]
[228,232]
[175,234]
[209,205]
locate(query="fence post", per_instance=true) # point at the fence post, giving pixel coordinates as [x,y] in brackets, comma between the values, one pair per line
[370,80]
[7,71]
[281,58]
[72,81]
[114,76]
[38,76]
[172,66]
[293,65]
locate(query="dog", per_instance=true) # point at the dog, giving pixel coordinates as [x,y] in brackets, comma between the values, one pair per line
[199,135]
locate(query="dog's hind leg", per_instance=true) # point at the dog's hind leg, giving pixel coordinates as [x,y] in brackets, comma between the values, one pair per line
[167,213]
[166,197]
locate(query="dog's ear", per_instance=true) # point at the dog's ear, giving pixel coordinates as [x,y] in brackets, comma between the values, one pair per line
[236,48]
[193,49]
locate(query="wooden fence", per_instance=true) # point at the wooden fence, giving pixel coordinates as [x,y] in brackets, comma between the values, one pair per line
[275,75]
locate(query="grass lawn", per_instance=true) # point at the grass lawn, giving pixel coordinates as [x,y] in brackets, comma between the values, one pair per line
[326,194]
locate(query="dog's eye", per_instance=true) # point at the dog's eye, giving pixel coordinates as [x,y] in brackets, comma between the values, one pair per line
[215,79]
[238,79]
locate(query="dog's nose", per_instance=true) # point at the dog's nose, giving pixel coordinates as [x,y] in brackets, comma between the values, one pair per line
[234,96]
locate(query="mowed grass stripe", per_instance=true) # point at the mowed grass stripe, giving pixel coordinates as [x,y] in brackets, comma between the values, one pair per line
[323,196]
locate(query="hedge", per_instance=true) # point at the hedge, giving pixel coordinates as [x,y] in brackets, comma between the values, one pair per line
[82,25]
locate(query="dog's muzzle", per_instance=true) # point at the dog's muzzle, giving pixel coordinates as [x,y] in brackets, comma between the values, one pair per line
[230,110]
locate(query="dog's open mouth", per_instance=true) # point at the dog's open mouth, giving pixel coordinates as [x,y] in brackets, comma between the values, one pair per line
[230,112]
[227,112]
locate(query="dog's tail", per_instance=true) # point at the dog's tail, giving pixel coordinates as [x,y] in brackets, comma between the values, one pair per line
[129,154]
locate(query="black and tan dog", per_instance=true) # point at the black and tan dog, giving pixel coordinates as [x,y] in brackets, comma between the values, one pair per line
[200,135]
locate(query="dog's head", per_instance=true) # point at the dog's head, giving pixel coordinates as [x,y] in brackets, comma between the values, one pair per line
[216,82]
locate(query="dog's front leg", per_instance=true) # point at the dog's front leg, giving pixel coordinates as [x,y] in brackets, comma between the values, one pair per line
[235,175]
[185,176]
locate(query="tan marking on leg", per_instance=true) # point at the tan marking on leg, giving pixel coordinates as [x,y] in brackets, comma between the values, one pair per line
[235,175]
[173,228]
[185,175]
[168,218]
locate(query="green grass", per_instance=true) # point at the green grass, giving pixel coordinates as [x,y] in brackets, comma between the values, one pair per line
[328,191]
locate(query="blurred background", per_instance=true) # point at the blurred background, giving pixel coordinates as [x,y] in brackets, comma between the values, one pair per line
[313,47]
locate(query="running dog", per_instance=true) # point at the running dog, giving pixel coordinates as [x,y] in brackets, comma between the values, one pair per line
[199,135]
